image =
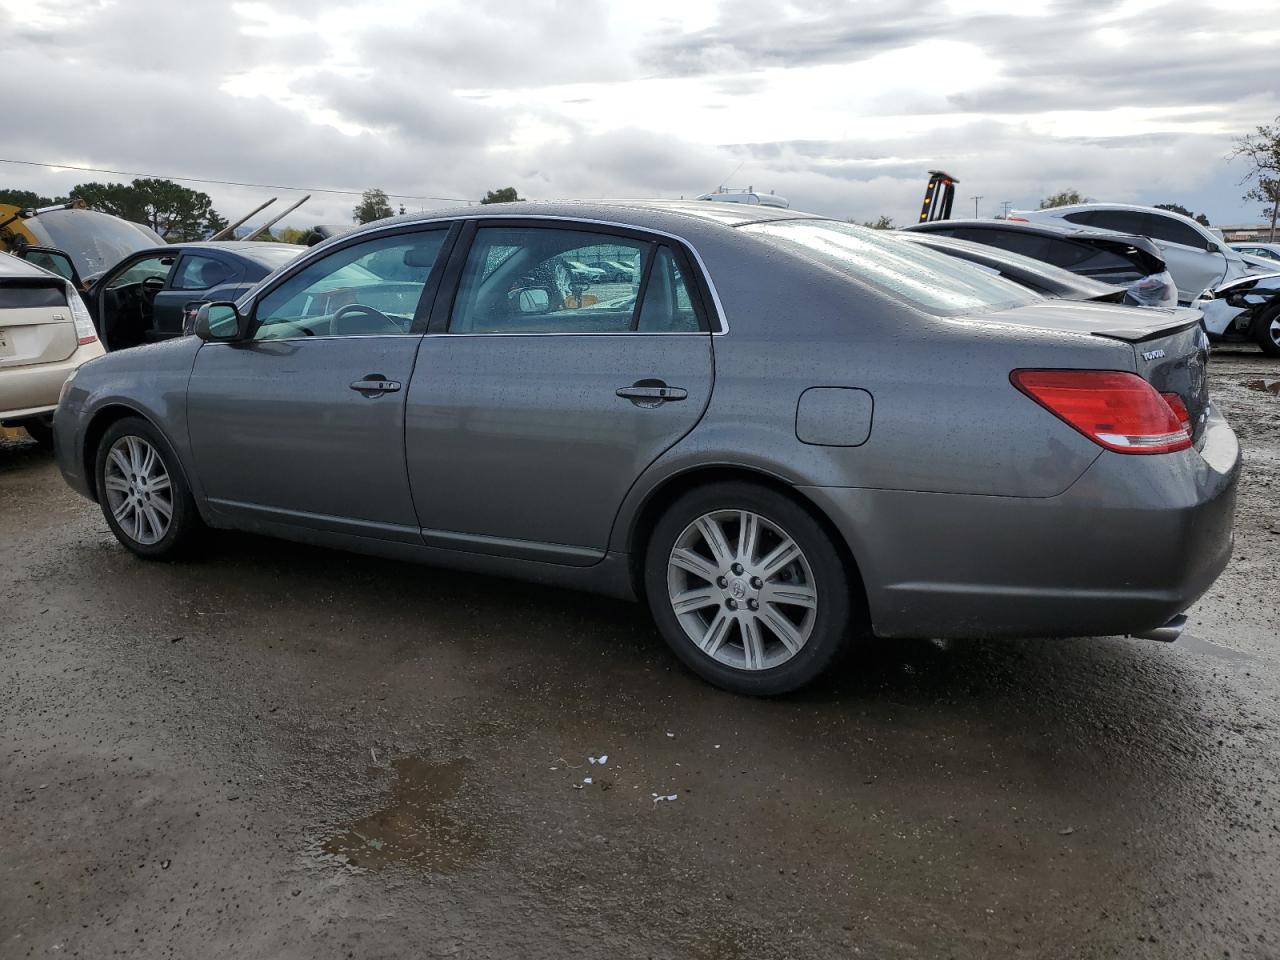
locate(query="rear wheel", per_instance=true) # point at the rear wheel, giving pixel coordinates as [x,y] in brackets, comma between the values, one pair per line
[748,589]
[1266,331]
[143,495]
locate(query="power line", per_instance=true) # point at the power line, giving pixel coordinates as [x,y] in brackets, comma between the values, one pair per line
[224,183]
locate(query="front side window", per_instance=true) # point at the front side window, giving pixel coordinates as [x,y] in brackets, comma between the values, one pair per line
[148,268]
[200,273]
[370,288]
[547,280]
[929,280]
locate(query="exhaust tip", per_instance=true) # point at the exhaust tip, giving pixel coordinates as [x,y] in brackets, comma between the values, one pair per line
[1164,634]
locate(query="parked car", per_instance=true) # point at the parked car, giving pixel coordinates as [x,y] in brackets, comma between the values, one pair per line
[882,438]
[616,272]
[1266,251]
[45,335]
[1196,257]
[584,274]
[1244,310]
[1044,278]
[1131,262]
[150,295]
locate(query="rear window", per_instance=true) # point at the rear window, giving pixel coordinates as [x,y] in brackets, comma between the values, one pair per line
[18,296]
[932,281]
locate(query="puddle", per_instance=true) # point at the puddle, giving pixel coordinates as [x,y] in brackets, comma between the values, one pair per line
[413,828]
[1208,648]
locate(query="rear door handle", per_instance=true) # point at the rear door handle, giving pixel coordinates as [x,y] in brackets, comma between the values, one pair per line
[650,393]
[375,384]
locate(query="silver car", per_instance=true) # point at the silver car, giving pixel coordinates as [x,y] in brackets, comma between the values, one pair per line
[783,433]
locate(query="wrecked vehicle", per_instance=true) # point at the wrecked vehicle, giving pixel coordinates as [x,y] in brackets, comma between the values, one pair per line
[1196,256]
[705,445]
[1244,310]
[1129,261]
[1044,278]
[151,293]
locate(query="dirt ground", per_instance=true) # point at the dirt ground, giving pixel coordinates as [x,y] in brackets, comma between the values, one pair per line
[284,752]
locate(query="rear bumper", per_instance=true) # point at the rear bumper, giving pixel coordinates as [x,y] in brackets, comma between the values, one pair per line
[33,389]
[1135,541]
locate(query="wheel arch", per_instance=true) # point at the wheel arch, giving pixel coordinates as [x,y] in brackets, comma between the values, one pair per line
[671,488]
[102,420]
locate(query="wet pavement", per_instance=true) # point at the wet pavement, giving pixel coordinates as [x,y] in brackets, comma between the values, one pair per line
[280,751]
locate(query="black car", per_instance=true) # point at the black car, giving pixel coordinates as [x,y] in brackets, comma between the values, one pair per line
[151,293]
[1108,257]
[1043,278]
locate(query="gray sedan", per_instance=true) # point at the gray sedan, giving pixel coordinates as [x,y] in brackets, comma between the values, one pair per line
[780,433]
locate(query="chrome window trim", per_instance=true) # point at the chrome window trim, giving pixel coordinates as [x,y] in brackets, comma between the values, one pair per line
[373,229]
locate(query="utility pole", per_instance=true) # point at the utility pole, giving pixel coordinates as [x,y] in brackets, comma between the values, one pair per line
[1004,209]
[975,205]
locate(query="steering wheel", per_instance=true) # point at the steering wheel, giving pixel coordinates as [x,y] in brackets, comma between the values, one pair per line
[352,309]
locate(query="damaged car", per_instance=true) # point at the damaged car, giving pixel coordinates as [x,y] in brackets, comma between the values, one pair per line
[1129,261]
[1246,310]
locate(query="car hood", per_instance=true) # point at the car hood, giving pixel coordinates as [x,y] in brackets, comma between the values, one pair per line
[1131,324]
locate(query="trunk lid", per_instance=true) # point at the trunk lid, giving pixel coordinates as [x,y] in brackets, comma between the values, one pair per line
[36,325]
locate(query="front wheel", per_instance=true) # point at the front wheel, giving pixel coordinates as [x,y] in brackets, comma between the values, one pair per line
[1266,331]
[142,492]
[748,589]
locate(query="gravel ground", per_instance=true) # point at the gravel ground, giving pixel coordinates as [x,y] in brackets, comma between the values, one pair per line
[285,752]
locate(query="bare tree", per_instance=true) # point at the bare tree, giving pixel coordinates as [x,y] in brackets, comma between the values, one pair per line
[1261,151]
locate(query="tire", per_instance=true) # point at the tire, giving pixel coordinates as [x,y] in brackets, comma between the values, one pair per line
[817,623]
[40,429]
[135,509]
[1266,331]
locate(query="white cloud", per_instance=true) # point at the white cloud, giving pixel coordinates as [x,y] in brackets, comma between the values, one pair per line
[841,107]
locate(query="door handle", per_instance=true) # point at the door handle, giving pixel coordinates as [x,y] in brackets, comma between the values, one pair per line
[651,393]
[375,384]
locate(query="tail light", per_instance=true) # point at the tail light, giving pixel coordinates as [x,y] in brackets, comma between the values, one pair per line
[1017,219]
[1116,410]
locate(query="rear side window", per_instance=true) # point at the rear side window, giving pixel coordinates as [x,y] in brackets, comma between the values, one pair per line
[200,273]
[929,280]
[520,280]
[1174,231]
[24,297]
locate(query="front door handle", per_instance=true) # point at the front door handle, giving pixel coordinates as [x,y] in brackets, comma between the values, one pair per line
[651,393]
[374,385]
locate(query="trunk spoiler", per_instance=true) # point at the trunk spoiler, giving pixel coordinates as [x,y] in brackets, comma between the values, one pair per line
[1145,327]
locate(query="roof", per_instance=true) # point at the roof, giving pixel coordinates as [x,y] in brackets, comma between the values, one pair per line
[654,214]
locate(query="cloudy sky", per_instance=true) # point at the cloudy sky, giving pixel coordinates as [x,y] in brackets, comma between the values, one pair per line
[842,107]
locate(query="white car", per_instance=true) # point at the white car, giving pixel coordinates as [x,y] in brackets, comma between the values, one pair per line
[45,334]
[1268,251]
[1197,259]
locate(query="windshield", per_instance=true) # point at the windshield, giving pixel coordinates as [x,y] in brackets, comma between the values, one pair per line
[931,281]
[94,241]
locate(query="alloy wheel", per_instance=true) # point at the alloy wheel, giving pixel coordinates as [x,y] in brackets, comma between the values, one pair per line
[138,490]
[1273,329]
[742,589]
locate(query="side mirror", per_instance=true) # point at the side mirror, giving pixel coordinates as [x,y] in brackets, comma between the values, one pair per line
[531,301]
[1214,248]
[220,322]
